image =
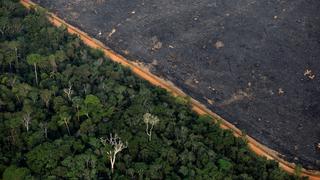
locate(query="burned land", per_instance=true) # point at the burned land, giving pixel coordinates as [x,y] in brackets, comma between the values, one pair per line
[255,63]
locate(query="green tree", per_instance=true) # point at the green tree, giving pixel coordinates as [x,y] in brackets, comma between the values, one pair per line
[21,91]
[141,168]
[16,173]
[76,103]
[81,166]
[92,107]
[46,96]
[34,59]
[9,51]
[43,158]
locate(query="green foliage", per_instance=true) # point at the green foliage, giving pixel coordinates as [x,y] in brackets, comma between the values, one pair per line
[34,59]
[15,173]
[297,171]
[92,100]
[43,158]
[63,136]
[81,166]
[225,165]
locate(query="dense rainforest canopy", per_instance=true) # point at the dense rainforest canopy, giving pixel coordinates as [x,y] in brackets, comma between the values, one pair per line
[68,112]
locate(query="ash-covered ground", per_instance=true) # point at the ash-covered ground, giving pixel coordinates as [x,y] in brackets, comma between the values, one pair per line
[255,63]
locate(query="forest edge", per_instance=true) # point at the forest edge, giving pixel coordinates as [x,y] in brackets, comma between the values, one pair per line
[199,108]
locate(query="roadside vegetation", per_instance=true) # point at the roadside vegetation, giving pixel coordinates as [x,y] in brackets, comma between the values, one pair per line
[68,112]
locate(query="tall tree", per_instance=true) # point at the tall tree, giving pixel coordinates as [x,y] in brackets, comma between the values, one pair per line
[21,91]
[77,102]
[46,96]
[64,120]
[116,146]
[52,62]
[9,51]
[92,106]
[151,120]
[34,59]
[68,91]
[26,117]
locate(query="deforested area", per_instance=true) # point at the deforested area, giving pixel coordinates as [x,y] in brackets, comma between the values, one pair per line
[67,112]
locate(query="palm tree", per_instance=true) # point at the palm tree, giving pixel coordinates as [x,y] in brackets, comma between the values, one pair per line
[34,59]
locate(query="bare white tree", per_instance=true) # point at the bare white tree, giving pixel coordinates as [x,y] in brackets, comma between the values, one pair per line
[68,91]
[151,120]
[117,146]
[26,120]
[65,119]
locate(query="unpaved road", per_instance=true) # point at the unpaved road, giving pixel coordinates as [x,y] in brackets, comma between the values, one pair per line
[255,63]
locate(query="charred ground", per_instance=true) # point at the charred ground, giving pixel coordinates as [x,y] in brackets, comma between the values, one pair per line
[255,63]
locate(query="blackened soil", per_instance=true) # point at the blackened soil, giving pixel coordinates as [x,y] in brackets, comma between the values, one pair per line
[254,62]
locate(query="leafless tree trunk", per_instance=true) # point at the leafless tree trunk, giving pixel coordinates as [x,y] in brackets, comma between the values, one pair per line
[35,72]
[13,81]
[85,88]
[117,146]
[67,125]
[26,120]
[10,65]
[47,102]
[17,58]
[69,91]
[46,132]
[53,65]
[13,136]
[149,131]
[152,120]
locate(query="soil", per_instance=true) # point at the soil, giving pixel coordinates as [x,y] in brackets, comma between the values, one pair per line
[255,63]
